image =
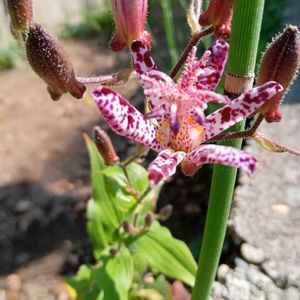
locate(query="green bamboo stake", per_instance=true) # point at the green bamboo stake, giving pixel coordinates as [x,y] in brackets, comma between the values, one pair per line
[246,26]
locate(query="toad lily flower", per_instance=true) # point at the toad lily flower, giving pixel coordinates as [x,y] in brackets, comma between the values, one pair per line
[180,128]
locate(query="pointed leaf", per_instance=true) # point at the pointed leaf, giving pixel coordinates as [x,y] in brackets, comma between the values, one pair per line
[84,286]
[116,275]
[163,252]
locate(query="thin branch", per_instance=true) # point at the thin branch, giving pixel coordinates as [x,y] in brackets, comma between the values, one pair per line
[241,134]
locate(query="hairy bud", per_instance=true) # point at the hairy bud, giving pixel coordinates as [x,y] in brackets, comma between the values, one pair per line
[105,146]
[280,63]
[130,18]
[49,60]
[20,12]
[219,15]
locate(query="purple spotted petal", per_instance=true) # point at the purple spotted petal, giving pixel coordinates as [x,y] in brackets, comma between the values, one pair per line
[240,108]
[124,119]
[228,156]
[142,61]
[164,166]
[216,62]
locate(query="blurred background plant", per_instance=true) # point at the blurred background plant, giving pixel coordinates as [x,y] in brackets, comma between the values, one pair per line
[169,34]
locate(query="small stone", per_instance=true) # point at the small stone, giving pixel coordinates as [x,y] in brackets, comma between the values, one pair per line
[273,296]
[291,293]
[240,263]
[258,278]
[218,289]
[280,208]
[256,294]
[238,289]
[222,272]
[271,269]
[252,254]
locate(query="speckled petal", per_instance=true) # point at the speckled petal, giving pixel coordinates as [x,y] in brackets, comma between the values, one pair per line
[142,60]
[124,119]
[216,62]
[153,81]
[164,166]
[228,156]
[201,97]
[240,108]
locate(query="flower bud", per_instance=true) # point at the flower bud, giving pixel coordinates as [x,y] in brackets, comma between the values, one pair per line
[149,218]
[105,147]
[219,15]
[130,18]
[20,12]
[279,63]
[131,229]
[49,60]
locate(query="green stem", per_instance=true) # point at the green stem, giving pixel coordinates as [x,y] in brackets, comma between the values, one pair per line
[169,28]
[246,26]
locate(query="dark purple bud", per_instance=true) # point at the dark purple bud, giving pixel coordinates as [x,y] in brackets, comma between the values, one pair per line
[105,146]
[49,60]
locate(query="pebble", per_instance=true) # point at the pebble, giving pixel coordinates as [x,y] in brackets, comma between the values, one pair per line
[291,293]
[252,254]
[274,296]
[218,289]
[238,289]
[271,269]
[258,278]
[222,272]
[240,263]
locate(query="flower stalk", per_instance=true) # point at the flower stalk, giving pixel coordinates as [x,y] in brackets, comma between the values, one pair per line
[246,24]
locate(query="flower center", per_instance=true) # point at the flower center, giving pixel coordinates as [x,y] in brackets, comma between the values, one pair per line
[190,135]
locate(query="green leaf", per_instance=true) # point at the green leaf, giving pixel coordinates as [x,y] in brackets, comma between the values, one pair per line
[116,275]
[118,189]
[109,215]
[122,192]
[163,252]
[138,177]
[110,279]
[103,216]
[84,285]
